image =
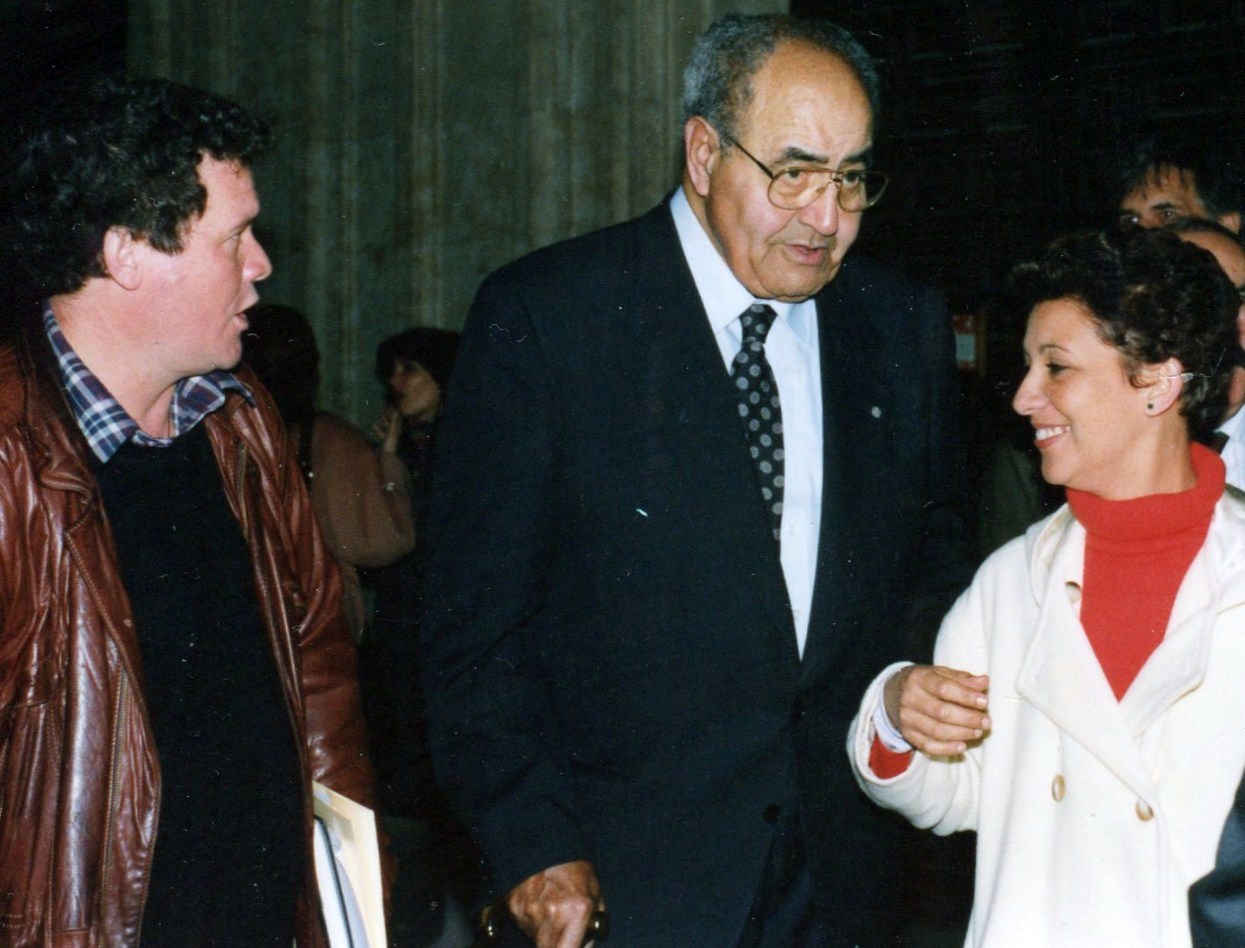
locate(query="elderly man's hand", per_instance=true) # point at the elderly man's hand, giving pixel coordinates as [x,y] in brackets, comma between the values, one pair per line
[938,710]
[555,906]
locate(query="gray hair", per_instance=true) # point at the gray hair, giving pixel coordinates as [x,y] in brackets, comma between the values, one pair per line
[717,83]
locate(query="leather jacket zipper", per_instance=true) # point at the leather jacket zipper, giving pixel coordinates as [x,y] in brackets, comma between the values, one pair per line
[113,778]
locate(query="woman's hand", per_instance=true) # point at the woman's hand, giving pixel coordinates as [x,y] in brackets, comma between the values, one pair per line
[387,429]
[938,710]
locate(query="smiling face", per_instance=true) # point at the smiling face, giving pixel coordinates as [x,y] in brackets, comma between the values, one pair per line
[807,109]
[1091,423]
[198,297]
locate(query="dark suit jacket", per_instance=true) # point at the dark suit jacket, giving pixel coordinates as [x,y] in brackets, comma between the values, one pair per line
[611,661]
[1217,900]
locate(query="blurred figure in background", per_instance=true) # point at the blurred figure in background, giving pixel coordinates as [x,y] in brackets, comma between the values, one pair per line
[1164,179]
[1226,248]
[439,866]
[413,367]
[360,493]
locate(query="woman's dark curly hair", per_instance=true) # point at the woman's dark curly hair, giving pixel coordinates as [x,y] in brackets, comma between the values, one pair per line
[434,349]
[122,153]
[1153,297]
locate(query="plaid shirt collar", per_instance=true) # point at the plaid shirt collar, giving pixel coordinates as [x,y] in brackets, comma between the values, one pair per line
[106,425]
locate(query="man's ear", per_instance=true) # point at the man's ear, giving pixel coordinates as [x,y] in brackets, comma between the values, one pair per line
[1231,221]
[701,151]
[123,258]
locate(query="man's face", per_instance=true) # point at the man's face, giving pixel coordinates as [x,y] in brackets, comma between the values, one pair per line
[1169,194]
[807,109]
[196,309]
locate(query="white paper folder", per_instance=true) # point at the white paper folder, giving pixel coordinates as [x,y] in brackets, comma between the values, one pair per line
[348,871]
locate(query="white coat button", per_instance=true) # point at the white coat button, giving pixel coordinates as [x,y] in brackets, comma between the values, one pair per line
[1074,592]
[1058,787]
[1144,812]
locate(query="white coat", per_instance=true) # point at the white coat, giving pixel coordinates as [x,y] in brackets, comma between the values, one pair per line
[1093,815]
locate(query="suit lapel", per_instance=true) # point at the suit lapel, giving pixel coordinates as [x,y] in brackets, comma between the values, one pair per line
[684,379]
[857,423]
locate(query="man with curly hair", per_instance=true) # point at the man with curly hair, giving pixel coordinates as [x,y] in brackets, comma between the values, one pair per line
[174,664]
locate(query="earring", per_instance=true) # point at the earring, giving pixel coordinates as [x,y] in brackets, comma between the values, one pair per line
[1149,406]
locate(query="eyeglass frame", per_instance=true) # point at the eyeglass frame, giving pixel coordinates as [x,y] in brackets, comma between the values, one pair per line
[835,177]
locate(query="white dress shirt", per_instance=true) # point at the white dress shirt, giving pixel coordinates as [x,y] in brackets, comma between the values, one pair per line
[1233,453]
[795,358]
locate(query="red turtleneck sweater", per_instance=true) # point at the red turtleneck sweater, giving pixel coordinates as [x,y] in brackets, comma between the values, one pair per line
[1136,555]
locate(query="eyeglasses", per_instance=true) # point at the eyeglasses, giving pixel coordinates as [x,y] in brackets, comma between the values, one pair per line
[799,186]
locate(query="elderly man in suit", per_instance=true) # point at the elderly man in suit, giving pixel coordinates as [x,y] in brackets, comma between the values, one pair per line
[699,476]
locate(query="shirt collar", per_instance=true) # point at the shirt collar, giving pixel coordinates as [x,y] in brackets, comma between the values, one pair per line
[1232,427]
[106,425]
[723,296]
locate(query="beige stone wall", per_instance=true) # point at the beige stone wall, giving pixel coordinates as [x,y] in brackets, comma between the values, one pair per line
[422,143]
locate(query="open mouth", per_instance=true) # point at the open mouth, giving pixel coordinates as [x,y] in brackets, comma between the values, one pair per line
[806,253]
[1045,435]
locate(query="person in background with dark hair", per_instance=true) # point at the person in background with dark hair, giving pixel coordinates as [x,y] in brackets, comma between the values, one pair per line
[175,668]
[1085,714]
[414,368]
[440,868]
[1166,179]
[1228,251]
[698,476]
[361,493]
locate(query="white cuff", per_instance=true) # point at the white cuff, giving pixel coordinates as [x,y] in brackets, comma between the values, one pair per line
[891,739]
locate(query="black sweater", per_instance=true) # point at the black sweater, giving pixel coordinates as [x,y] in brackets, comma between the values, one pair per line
[229,858]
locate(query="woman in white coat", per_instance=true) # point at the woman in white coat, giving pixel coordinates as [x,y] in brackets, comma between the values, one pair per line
[1086,712]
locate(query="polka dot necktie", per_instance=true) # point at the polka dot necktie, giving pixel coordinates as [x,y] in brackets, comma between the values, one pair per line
[759,408]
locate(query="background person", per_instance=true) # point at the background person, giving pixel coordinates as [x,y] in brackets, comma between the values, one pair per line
[1226,248]
[1164,179]
[361,494]
[638,656]
[440,868]
[1085,712]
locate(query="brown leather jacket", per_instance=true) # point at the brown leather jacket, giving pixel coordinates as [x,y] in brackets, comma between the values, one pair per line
[79,777]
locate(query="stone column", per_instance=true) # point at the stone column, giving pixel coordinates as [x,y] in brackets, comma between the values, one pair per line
[422,143]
